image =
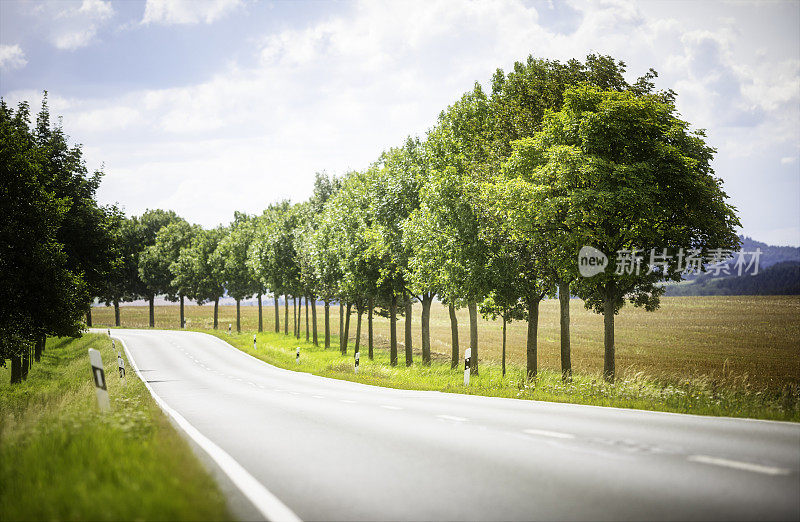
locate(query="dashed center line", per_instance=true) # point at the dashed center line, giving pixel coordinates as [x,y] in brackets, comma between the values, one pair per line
[389,407]
[452,418]
[318,396]
[737,464]
[553,434]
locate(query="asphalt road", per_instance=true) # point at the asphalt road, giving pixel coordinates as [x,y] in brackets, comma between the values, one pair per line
[336,450]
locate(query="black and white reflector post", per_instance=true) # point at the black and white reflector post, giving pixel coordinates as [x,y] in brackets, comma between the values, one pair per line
[109,332]
[99,379]
[467,356]
[297,357]
[229,328]
[358,356]
[255,344]
[121,365]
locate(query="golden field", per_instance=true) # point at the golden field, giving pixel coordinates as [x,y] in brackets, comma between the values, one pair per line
[739,340]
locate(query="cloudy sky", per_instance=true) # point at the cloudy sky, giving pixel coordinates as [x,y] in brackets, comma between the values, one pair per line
[207,107]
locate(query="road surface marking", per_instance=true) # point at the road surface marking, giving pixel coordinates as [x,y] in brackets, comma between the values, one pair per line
[318,396]
[347,401]
[264,501]
[452,418]
[554,434]
[737,464]
[388,407]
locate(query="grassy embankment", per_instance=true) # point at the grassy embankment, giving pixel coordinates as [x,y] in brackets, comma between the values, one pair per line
[61,459]
[732,356]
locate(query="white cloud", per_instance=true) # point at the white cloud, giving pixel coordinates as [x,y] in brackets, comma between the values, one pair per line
[11,57]
[170,12]
[77,27]
[332,94]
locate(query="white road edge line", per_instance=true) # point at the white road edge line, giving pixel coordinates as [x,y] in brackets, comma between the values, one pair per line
[737,464]
[452,418]
[553,434]
[264,501]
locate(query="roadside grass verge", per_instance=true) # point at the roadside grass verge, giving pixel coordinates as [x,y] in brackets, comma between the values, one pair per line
[61,459]
[728,395]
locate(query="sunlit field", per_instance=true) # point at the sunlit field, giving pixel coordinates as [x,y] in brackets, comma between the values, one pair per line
[740,341]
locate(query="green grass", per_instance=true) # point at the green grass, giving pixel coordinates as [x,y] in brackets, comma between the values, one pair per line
[61,459]
[728,395]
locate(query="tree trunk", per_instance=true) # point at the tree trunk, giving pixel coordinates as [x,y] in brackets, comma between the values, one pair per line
[608,338]
[16,369]
[307,332]
[183,321]
[566,358]
[369,327]
[89,317]
[285,314]
[299,316]
[409,340]
[294,320]
[39,347]
[454,362]
[504,346]
[152,311]
[533,331]
[238,316]
[277,313]
[426,329]
[216,312]
[359,311]
[327,325]
[26,361]
[473,337]
[341,326]
[260,316]
[347,328]
[116,313]
[314,321]
[393,331]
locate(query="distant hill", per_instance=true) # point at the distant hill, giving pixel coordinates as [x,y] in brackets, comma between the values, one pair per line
[770,255]
[782,278]
[778,274]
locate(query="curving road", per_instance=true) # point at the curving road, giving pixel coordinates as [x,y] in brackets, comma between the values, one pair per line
[336,450]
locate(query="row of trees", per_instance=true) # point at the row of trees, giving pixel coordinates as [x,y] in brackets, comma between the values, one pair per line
[487,212]
[56,242]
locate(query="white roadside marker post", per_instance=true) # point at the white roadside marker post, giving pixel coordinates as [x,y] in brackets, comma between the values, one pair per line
[109,332]
[229,328]
[358,356]
[99,379]
[467,356]
[255,344]
[297,357]
[121,365]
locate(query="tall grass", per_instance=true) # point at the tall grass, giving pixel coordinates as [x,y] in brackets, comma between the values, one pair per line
[61,459]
